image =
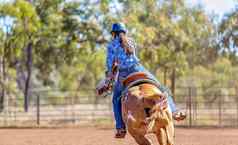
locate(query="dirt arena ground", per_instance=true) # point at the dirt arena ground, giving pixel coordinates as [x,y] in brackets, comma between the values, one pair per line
[100,136]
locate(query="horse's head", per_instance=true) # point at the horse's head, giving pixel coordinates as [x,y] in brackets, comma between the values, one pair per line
[159,117]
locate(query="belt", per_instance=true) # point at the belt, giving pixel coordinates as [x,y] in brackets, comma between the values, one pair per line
[128,68]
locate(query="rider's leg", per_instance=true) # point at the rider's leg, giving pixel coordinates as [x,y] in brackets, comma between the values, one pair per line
[117,106]
[120,125]
[170,99]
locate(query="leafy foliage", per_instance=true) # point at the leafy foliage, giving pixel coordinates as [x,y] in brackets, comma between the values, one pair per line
[69,38]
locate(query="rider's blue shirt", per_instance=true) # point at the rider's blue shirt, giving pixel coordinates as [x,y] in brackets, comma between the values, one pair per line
[116,52]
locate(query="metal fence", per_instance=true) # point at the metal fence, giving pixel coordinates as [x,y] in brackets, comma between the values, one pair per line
[216,107]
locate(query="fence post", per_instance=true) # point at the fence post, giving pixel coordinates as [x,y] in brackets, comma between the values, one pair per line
[236,90]
[220,110]
[6,109]
[38,109]
[190,105]
[194,104]
[237,110]
[73,109]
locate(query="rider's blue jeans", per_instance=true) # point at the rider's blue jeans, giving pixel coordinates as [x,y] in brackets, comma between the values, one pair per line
[118,89]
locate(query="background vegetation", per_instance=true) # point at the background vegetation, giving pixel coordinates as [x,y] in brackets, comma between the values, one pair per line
[60,45]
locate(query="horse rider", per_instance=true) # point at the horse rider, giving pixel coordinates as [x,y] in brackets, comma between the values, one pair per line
[121,49]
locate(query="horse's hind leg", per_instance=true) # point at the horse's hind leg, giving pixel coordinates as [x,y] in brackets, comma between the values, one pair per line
[140,138]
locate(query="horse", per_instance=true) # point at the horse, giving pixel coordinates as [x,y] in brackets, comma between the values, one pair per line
[144,109]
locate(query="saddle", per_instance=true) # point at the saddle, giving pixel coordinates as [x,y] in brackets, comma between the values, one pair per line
[140,82]
[138,78]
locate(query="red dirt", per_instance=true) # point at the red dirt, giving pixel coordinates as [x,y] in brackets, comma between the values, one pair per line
[97,136]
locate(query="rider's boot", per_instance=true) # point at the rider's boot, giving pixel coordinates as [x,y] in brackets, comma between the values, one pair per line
[120,133]
[179,115]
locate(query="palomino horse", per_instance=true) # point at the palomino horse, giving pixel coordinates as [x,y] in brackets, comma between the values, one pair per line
[144,108]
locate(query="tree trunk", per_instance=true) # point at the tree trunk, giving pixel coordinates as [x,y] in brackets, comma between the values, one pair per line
[3,76]
[165,76]
[28,79]
[28,67]
[173,79]
[21,76]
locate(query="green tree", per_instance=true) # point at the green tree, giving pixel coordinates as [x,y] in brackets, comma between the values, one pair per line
[228,30]
[47,36]
[171,35]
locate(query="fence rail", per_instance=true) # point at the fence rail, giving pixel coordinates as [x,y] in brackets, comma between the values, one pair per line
[218,108]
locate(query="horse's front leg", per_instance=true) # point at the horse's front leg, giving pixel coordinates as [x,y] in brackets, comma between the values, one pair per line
[165,135]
